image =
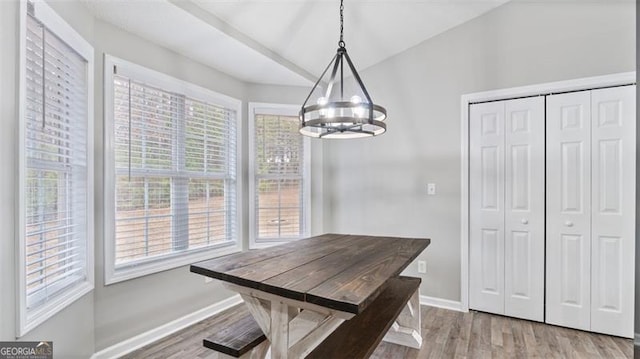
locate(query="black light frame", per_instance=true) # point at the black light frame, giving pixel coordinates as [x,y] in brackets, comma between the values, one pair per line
[314,124]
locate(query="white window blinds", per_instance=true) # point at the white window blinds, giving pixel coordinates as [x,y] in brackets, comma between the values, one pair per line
[279,178]
[175,172]
[55,182]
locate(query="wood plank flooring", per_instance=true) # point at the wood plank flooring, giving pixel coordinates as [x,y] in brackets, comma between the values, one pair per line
[446,334]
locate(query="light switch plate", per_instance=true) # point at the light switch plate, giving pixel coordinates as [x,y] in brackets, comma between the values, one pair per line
[422,266]
[431,189]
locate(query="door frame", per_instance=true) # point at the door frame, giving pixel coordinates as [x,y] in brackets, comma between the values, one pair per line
[588,83]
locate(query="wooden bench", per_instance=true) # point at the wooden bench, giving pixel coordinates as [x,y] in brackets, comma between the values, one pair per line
[235,334]
[360,336]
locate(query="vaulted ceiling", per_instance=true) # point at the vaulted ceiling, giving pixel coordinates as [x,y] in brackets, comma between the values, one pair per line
[285,42]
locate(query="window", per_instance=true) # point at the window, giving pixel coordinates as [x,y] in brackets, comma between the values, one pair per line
[279,175]
[172,189]
[55,166]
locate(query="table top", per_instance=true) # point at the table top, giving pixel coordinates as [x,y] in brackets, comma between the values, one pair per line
[337,271]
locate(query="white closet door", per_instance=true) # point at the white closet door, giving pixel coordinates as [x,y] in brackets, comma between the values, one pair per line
[568,217]
[524,208]
[486,207]
[613,210]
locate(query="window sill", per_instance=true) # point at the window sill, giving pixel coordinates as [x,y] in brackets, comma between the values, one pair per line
[164,264]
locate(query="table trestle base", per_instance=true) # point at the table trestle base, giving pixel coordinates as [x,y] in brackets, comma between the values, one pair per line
[406,329]
[294,328]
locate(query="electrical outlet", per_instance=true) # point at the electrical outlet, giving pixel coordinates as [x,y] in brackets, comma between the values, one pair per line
[422,266]
[431,189]
[208,280]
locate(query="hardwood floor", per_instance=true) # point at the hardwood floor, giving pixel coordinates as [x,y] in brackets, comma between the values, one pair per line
[447,334]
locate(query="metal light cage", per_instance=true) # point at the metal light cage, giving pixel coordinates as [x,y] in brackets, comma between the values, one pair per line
[334,115]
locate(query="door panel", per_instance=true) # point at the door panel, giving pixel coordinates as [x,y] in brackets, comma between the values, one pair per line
[609,172]
[519,274]
[490,269]
[609,274]
[490,167]
[572,176]
[613,210]
[486,207]
[524,209]
[571,271]
[568,218]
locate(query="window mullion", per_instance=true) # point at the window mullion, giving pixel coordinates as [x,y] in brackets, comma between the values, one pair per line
[146,216]
[67,201]
[208,189]
[280,164]
[229,183]
[41,215]
[207,183]
[179,183]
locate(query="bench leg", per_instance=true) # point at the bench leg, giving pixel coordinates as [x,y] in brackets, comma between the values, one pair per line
[406,329]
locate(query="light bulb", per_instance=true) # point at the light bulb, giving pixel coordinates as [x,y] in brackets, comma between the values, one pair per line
[357,111]
[331,112]
[322,101]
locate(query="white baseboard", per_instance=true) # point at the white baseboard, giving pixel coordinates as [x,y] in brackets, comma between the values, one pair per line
[140,340]
[441,303]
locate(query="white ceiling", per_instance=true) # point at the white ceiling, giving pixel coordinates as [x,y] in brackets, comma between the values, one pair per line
[286,42]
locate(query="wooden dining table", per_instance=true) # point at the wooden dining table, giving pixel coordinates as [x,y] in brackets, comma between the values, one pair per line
[300,292]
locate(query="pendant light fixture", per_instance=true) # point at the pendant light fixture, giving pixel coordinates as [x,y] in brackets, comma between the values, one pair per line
[336,114]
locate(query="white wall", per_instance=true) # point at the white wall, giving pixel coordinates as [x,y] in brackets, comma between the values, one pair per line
[378,185]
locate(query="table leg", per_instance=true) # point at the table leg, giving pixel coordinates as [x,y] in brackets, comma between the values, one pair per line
[406,329]
[292,333]
[294,328]
[279,330]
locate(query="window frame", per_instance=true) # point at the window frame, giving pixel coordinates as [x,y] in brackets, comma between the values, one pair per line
[257,108]
[167,83]
[30,319]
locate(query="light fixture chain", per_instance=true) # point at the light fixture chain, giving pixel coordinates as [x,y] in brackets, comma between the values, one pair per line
[341,43]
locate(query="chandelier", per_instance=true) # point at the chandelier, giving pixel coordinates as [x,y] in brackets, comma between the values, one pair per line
[334,113]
